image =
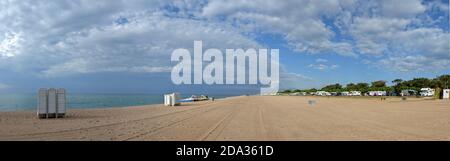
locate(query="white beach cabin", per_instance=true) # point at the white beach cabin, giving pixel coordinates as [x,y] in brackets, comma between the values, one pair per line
[42,109]
[171,99]
[61,102]
[51,103]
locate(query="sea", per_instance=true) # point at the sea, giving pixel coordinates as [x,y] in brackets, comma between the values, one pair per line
[24,102]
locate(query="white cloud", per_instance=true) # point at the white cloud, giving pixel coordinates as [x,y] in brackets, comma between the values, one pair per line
[10,45]
[401,8]
[82,36]
[83,66]
[320,66]
[299,22]
[412,63]
[320,60]
[334,66]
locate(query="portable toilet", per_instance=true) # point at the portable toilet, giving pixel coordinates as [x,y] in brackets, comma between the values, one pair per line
[446,94]
[42,110]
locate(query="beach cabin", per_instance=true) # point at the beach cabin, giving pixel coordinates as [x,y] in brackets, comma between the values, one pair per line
[427,92]
[42,108]
[51,103]
[171,99]
[61,102]
[446,94]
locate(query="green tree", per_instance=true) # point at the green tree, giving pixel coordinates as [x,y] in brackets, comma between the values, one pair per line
[397,87]
[444,81]
[298,90]
[332,88]
[351,87]
[363,87]
[379,84]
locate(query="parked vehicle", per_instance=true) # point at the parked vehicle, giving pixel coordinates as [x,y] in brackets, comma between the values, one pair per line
[427,92]
[322,93]
[408,92]
[355,93]
[377,93]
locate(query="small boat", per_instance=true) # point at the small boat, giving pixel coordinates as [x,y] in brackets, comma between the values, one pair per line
[190,99]
[194,98]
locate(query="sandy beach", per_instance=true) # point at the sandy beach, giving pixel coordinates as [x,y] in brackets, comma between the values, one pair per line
[244,118]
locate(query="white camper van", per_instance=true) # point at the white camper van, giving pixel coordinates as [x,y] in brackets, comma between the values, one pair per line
[323,93]
[355,93]
[377,93]
[427,92]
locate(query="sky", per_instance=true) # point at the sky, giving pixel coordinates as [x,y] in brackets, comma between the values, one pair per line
[124,46]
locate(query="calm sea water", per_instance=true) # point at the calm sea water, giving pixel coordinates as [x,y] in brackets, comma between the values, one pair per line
[21,102]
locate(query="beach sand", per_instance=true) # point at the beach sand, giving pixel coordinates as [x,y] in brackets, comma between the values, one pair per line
[244,118]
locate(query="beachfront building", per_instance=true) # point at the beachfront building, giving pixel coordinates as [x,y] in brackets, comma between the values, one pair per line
[377,93]
[427,92]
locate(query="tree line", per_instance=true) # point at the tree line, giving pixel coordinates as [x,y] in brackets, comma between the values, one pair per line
[441,82]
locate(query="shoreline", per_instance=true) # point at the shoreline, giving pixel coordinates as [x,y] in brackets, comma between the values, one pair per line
[16,109]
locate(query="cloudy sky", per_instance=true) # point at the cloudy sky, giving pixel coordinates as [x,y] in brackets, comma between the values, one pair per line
[116,46]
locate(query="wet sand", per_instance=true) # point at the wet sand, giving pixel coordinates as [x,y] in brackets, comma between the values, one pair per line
[244,118]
